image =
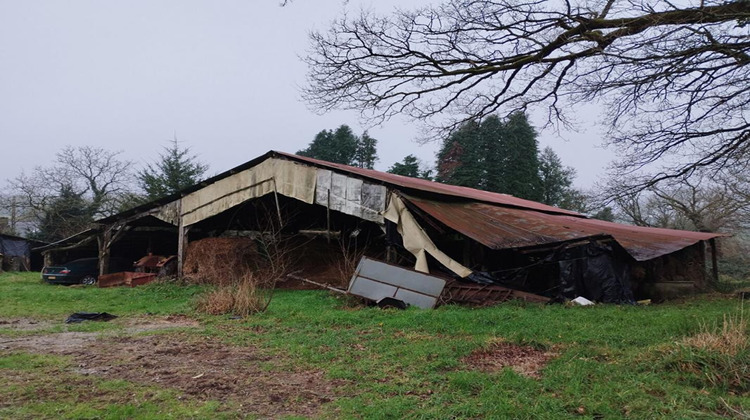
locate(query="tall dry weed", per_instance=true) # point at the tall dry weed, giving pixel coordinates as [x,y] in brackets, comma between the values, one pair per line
[718,355]
[245,297]
[216,302]
[730,338]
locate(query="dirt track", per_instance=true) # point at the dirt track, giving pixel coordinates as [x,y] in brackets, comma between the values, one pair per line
[200,367]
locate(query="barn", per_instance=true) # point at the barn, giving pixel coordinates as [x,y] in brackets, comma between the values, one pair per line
[472,236]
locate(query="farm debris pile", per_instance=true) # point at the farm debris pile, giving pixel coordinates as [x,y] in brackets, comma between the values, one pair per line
[219,261]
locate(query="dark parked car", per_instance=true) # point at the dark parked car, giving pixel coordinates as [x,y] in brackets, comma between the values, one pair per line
[83,271]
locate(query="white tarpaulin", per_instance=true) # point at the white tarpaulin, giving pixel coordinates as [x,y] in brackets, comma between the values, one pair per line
[282,176]
[350,195]
[416,240]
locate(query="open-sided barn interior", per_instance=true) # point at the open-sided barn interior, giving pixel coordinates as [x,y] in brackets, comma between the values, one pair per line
[321,217]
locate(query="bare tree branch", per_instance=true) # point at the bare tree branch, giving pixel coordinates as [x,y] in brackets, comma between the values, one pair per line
[674,79]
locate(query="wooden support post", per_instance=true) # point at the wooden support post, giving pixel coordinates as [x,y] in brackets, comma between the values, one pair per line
[703,283]
[714,261]
[49,260]
[328,216]
[278,208]
[182,240]
[105,240]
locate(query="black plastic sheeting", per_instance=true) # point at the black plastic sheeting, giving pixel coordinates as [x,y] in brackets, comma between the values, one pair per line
[15,247]
[594,272]
[89,316]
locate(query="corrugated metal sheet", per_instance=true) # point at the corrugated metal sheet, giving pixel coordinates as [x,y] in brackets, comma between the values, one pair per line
[376,280]
[416,241]
[436,187]
[502,227]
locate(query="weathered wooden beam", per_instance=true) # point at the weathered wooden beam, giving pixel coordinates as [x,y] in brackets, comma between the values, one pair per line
[182,240]
[714,261]
[104,240]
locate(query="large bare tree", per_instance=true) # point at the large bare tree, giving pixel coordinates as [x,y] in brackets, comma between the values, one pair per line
[91,179]
[699,202]
[673,76]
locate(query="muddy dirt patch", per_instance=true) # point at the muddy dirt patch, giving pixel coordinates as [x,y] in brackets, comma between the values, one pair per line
[23,324]
[202,368]
[525,360]
[50,343]
[208,370]
[136,325]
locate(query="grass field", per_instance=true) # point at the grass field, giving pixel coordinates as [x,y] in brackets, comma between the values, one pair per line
[312,354]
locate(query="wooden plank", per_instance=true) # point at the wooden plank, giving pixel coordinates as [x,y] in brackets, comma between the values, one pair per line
[182,240]
[714,261]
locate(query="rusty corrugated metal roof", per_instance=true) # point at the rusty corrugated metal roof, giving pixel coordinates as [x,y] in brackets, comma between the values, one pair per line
[500,227]
[436,187]
[382,177]
[496,220]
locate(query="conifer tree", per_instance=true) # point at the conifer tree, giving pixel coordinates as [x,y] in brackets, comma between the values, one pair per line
[339,146]
[367,153]
[176,169]
[67,214]
[343,146]
[494,155]
[410,166]
[556,179]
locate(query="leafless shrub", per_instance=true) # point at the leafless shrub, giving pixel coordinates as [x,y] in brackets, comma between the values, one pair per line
[347,262]
[245,270]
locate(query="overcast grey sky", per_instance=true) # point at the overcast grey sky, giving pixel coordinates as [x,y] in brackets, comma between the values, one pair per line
[222,75]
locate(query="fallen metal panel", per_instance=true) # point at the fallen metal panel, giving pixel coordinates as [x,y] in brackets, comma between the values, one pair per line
[412,280]
[416,299]
[375,280]
[372,289]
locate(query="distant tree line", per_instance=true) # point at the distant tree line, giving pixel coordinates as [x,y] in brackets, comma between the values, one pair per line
[343,146]
[493,155]
[86,183]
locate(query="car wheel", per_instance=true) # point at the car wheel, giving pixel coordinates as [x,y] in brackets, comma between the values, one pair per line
[88,280]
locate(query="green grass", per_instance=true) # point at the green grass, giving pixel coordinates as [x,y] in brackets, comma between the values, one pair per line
[613,361]
[25,295]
